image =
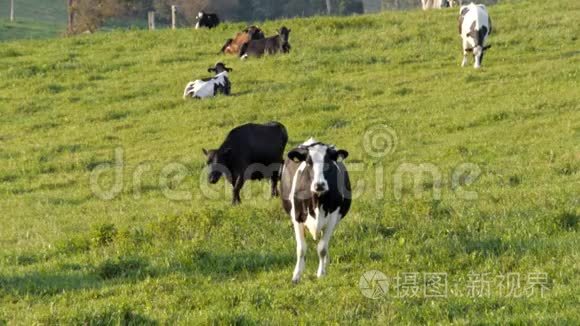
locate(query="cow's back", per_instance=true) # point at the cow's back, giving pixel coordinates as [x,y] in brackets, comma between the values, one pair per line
[237,42]
[477,14]
[257,143]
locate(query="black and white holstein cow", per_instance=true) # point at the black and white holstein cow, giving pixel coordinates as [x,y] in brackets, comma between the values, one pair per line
[249,152]
[316,194]
[435,4]
[209,87]
[474,28]
[268,45]
[207,20]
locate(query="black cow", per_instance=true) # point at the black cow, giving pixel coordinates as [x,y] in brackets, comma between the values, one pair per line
[250,152]
[269,45]
[316,194]
[206,20]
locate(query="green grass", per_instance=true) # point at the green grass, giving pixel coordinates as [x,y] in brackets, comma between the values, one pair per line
[33,19]
[67,256]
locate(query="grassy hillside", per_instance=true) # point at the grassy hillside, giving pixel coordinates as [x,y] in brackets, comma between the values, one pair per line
[33,19]
[152,255]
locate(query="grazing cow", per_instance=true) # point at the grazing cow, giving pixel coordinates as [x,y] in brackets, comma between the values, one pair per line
[435,4]
[233,46]
[206,20]
[316,194]
[209,87]
[269,45]
[474,28]
[250,152]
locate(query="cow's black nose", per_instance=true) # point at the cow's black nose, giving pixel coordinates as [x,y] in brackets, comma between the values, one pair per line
[319,187]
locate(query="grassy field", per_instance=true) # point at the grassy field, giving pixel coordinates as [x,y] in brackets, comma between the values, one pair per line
[33,19]
[161,251]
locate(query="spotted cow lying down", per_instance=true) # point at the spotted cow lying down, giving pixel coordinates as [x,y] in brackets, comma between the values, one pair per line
[210,87]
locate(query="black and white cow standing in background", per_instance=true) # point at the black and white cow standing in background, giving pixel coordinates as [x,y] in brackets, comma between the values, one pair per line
[435,4]
[249,152]
[474,28]
[206,20]
[209,87]
[316,194]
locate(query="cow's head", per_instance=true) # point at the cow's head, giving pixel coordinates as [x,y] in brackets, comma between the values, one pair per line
[216,163]
[284,33]
[200,15]
[254,33]
[219,68]
[319,163]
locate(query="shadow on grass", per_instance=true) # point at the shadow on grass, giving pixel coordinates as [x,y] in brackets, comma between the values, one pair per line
[210,263]
[47,283]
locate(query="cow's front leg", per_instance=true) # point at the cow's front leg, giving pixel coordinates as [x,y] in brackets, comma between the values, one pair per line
[465,46]
[300,251]
[477,58]
[238,184]
[323,246]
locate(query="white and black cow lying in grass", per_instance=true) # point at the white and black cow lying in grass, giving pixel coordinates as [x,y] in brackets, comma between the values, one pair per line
[209,87]
[474,28]
[316,194]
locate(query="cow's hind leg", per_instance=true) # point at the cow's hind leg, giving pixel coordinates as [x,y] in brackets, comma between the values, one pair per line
[300,251]
[238,184]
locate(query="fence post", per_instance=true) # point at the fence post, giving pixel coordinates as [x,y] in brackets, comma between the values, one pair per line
[71,16]
[151,19]
[11,10]
[173,10]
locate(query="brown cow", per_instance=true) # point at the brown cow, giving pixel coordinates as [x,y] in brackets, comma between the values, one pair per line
[233,46]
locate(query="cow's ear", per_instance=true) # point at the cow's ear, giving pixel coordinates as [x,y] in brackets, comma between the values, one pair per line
[210,69]
[298,154]
[229,69]
[342,154]
[338,155]
[205,152]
